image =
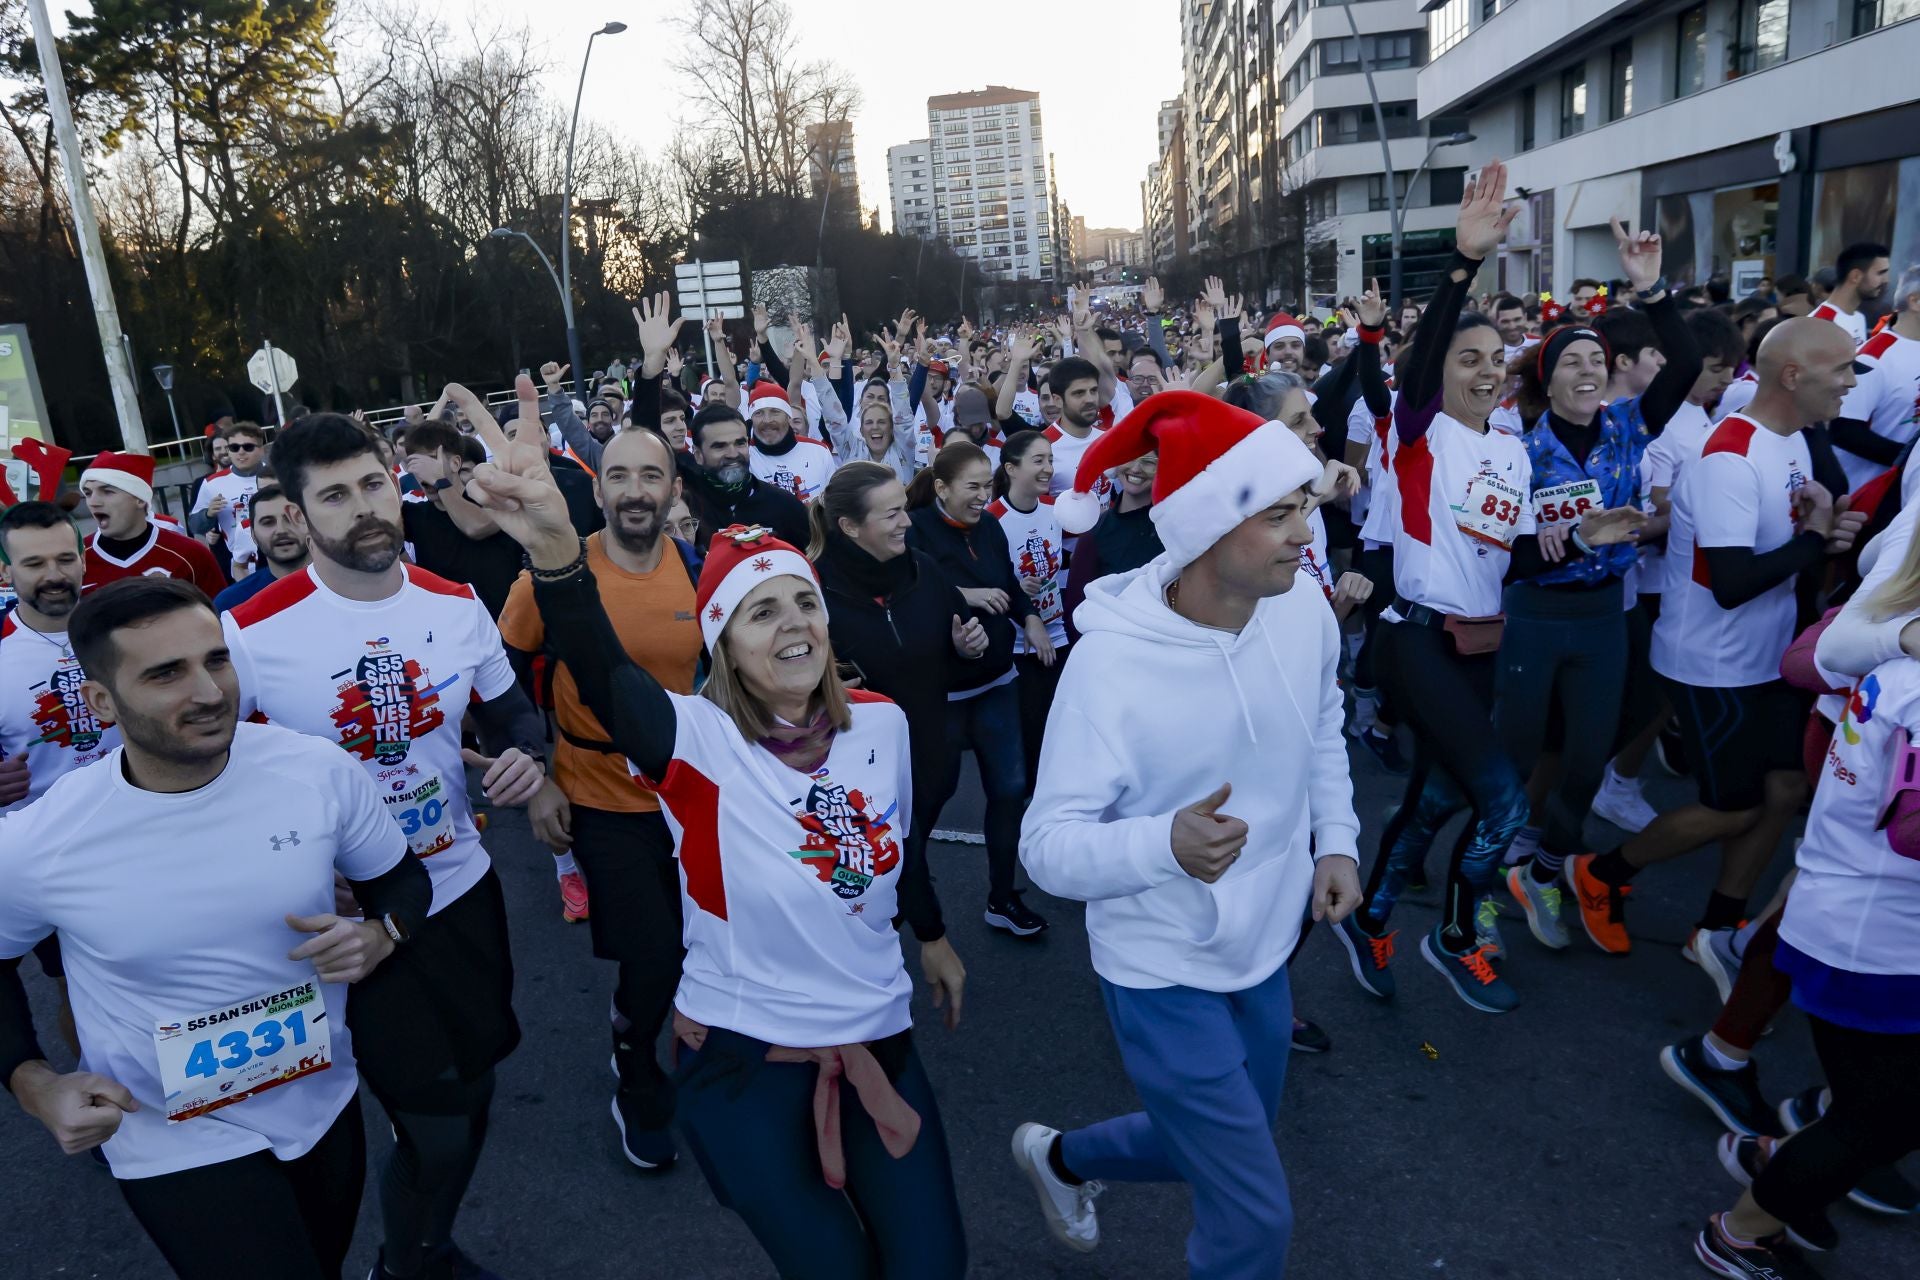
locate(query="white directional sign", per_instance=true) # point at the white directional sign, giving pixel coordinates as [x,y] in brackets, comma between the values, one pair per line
[710,289]
[272,369]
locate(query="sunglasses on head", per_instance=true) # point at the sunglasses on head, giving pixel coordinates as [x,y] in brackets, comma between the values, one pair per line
[242,448]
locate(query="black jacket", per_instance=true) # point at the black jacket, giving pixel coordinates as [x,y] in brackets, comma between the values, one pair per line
[715,508]
[902,641]
[976,555]
[1120,543]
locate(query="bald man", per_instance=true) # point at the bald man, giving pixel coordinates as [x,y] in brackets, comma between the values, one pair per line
[606,831]
[1749,518]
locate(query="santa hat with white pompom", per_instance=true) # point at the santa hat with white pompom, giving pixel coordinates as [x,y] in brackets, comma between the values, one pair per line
[1218,466]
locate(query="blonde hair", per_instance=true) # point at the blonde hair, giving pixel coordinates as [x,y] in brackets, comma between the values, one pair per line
[750,715]
[1899,594]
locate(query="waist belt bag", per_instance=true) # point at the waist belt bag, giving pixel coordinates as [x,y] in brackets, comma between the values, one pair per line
[1474,636]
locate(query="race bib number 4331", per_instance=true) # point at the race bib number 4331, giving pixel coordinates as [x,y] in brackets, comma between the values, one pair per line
[223,1056]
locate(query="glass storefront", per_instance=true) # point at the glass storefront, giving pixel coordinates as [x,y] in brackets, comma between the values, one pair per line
[1730,233]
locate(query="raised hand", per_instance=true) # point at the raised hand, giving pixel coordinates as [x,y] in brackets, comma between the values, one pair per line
[657,332]
[1639,255]
[517,486]
[761,321]
[903,324]
[1484,214]
[1370,307]
[842,339]
[965,331]
[553,374]
[675,362]
[1025,345]
[1216,294]
[1151,295]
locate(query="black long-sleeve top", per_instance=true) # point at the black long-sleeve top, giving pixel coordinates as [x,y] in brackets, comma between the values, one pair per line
[976,555]
[639,715]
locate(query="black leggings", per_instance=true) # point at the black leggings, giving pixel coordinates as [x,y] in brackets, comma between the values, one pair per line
[1874,1120]
[749,1123]
[438,1135]
[1376,565]
[256,1215]
[1036,685]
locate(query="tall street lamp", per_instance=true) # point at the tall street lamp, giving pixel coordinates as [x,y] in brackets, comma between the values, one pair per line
[1396,203]
[163,374]
[566,215]
[573,342]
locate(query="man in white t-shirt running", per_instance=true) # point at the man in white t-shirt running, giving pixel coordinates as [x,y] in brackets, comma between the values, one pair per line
[222,503]
[205,960]
[385,660]
[1881,414]
[1861,271]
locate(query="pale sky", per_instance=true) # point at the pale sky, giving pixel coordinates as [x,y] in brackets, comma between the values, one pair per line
[1101,71]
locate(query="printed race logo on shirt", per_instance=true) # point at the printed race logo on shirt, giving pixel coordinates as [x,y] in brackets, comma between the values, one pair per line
[385,703]
[1859,709]
[847,846]
[60,713]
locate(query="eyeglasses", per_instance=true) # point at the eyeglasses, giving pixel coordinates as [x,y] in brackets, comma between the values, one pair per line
[242,448]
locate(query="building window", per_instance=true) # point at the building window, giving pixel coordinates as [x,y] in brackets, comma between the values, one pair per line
[1377,191]
[1323,201]
[1573,100]
[1871,15]
[1388,51]
[1763,36]
[1690,53]
[1338,125]
[1620,81]
[1445,186]
[1447,25]
[1528,112]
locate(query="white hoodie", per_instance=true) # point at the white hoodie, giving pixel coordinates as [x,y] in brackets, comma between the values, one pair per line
[1152,714]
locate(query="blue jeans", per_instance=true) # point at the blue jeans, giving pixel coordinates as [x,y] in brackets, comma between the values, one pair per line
[1209,1067]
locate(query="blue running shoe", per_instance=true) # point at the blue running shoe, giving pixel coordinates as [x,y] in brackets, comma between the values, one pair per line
[1471,974]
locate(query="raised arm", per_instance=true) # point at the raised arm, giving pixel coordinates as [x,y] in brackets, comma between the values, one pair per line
[560,405]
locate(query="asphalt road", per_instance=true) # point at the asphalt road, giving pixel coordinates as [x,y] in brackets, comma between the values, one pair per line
[1543,1144]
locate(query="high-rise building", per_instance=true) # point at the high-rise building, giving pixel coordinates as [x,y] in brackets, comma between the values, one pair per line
[991,187]
[1164,194]
[830,165]
[1758,137]
[910,187]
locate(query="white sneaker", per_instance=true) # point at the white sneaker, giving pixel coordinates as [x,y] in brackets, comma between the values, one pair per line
[1620,802]
[1068,1210]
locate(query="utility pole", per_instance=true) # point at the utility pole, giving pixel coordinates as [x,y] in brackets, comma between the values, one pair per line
[126,398]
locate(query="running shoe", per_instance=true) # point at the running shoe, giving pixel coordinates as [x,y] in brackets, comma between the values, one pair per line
[1883,1190]
[1068,1209]
[1541,902]
[1486,928]
[1368,955]
[650,1149]
[1621,802]
[1770,1259]
[573,897]
[1744,1158]
[1014,916]
[1734,1096]
[1309,1038]
[1385,750]
[446,1261]
[1602,906]
[1712,950]
[1471,975]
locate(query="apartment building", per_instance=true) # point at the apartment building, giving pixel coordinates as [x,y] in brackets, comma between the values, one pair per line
[910,187]
[1163,196]
[991,185]
[830,168]
[1757,136]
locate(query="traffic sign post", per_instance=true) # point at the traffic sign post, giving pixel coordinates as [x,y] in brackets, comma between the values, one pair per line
[273,371]
[709,289]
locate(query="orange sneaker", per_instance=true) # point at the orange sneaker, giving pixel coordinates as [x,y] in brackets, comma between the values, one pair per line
[1602,906]
[573,897]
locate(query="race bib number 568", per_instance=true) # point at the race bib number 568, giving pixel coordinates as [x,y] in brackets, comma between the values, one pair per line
[1566,503]
[223,1056]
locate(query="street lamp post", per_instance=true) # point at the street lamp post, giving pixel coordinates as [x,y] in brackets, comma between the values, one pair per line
[163,374]
[566,215]
[1396,203]
[573,343]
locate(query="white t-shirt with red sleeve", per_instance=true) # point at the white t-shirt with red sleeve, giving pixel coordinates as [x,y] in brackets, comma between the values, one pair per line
[235,520]
[42,714]
[802,470]
[1035,540]
[1739,494]
[1854,322]
[1463,496]
[1886,398]
[788,880]
[1067,449]
[388,681]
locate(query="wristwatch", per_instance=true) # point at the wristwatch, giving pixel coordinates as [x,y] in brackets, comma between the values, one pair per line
[396,929]
[1652,291]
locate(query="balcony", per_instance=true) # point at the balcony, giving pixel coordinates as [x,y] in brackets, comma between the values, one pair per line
[1495,49]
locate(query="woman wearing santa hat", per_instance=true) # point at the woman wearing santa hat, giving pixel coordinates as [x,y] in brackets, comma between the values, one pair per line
[1199,824]
[788,798]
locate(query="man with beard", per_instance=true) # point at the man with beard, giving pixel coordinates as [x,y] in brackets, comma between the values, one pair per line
[782,457]
[1077,383]
[449,535]
[721,487]
[1286,343]
[386,660]
[207,961]
[126,542]
[1860,276]
[45,726]
[597,816]
[221,506]
[282,546]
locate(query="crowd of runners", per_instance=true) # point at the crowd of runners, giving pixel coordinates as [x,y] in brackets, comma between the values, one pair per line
[731,639]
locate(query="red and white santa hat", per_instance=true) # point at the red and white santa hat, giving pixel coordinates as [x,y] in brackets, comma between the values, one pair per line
[768,395]
[740,558]
[1283,326]
[1218,466]
[128,472]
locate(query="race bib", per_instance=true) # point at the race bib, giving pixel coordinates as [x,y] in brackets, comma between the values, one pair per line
[1048,602]
[223,1056]
[1563,504]
[423,814]
[1491,510]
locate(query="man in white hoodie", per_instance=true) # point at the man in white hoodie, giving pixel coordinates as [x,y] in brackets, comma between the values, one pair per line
[1193,913]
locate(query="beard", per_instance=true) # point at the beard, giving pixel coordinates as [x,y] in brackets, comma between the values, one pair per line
[284,551]
[601,431]
[367,556]
[731,475]
[54,598]
[637,538]
[170,740]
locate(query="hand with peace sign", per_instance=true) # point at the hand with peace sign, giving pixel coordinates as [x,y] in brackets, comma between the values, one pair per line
[516,488]
[1639,255]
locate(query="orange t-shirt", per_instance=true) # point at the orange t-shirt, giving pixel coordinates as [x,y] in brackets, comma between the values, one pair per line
[654,616]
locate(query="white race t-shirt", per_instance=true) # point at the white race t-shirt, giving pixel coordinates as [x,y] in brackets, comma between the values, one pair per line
[788,879]
[1463,497]
[1738,395]
[1886,398]
[1035,541]
[42,715]
[1383,511]
[173,906]
[1313,557]
[1739,494]
[1856,902]
[1854,322]
[1067,449]
[235,520]
[388,681]
[802,470]
[1660,466]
